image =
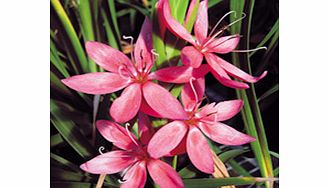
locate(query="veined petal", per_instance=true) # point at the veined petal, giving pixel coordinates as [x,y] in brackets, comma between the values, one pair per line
[238,73]
[199,151]
[179,74]
[224,45]
[223,134]
[180,148]
[220,74]
[227,109]
[127,105]
[143,46]
[107,57]
[97,83]
[201,22]
[190,56]
[163,102]
[190,11]
[173,25]
[145,129]
[164,175]
[116,134]
[166,139]
[135,176]
[188,97]
[109,163]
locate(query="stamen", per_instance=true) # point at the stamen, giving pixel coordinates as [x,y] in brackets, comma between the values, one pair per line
[155,55]
[121,67]
[100,150]
[220,31]
[122,181]
[220,20]
[235,36]
[130,136]
[131,43]
[194,92]
[251,50]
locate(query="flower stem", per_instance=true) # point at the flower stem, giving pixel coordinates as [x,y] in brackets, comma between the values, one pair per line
[100,180]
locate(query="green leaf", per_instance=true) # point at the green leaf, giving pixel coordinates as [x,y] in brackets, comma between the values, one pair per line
[56,61]
[114,18]
[71,184]
[269,92]
[142,10]
[56,140]
[276,155]
[60,174]
[109,32]
[239,169]
[226,156]
[273,30]
[87,27]
[212,3]
[215,182]
[65,163]
[187,172]
[70,132]
[71,34]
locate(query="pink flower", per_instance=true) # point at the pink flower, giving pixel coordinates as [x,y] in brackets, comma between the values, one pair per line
[206,45]
[133,160]
[188,135]
[134,77]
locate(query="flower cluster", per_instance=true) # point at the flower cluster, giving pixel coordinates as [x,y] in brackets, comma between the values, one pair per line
[143,95]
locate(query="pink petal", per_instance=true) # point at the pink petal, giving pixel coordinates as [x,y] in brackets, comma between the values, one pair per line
[135,176]
[224,45]
[163,102]
[116,134]
[201,22]
[180,148]
[143,46]
[96,83]
[164,175]
[224,134]
[145,108]
[198,151]
[220,74]
[190,56]
[188,97]
[109,163]
[166,139]
[127,105]
[227,109]
[106,56]
[238,73]
[206,110]
[145,129]
[172,24]
[179,74]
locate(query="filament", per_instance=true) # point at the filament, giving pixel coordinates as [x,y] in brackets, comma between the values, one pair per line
[131,43]
[155,55]
[221,21]
[251,50]
[235,36]
[130,136]
[194,92]
[220,31]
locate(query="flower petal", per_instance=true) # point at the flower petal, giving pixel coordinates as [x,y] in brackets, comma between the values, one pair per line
[163,102]
[224,45]
[179,74]
[201,22]
[166,139]
[106,56]
[145,129]
[227,109]
[190,56]
[173,25]
[187,95]
[143,46]
[238,73]
[164,175]
[190,11]
[96,83]
[180,148]
[145,108]
[136,176]
[220,74]
[223,134]
[198,151]
[127,105]
[116,134]
[109,163]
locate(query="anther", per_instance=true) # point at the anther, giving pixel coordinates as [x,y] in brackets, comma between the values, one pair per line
[251,50]
[100,150]
[129,134]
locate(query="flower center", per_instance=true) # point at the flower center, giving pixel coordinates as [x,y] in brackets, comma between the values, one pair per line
[141,78]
